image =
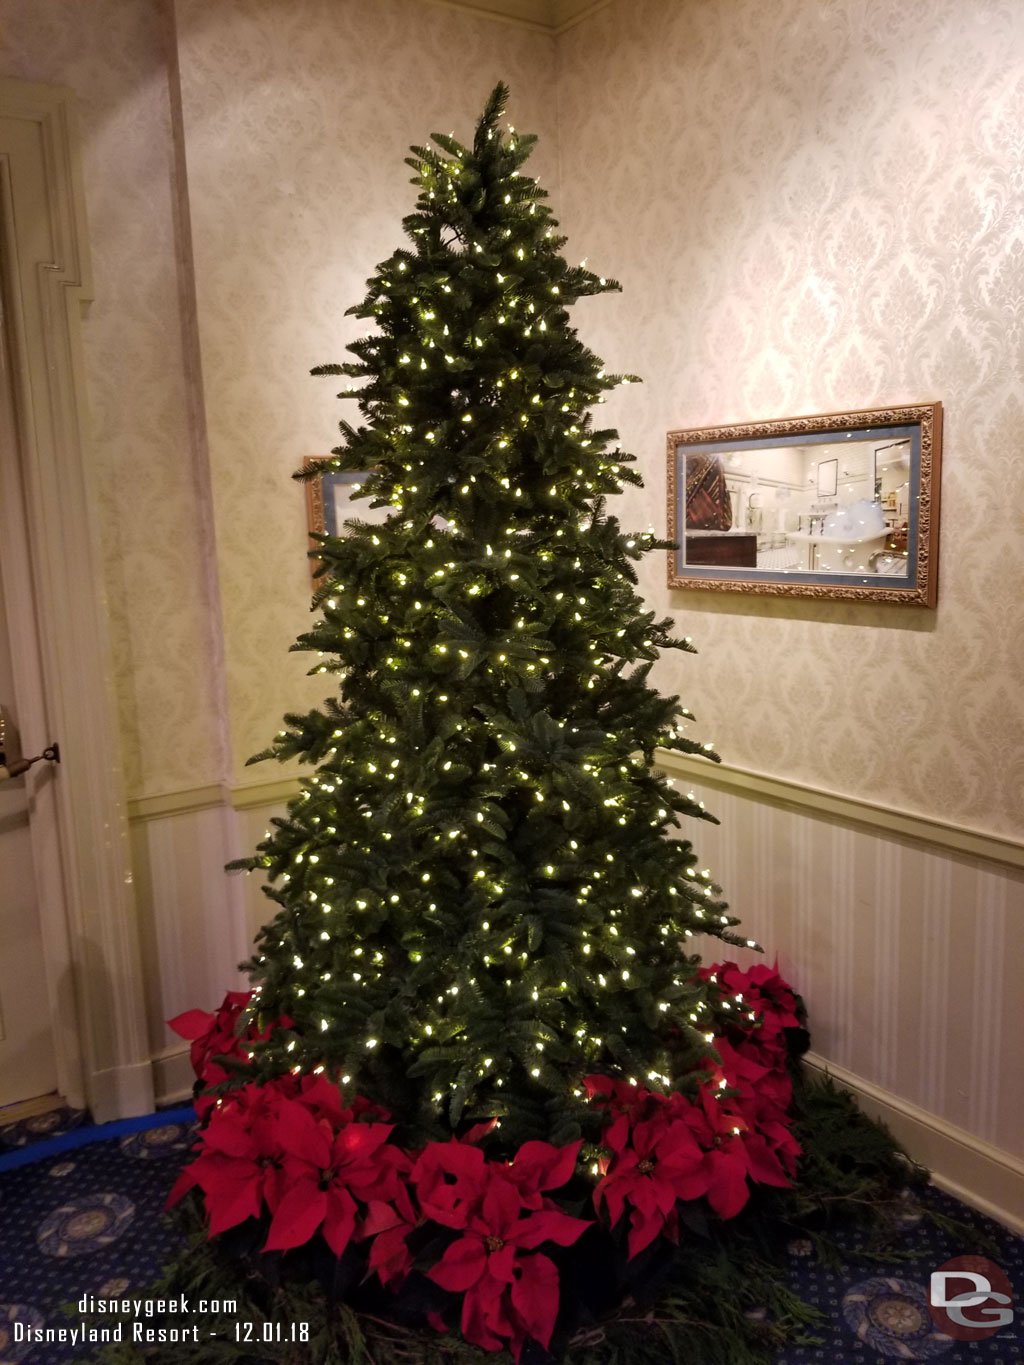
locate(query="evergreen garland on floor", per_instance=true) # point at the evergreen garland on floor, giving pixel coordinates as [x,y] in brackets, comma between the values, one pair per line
[718,1299]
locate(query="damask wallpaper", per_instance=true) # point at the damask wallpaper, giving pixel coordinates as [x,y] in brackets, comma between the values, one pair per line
[298,115]
[163,625]
[810,207]
[816,207]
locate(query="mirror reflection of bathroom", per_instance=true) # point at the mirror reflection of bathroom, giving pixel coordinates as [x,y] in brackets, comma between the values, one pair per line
[841,506]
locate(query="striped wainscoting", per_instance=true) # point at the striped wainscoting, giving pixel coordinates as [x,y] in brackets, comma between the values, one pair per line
[197,921]
[192,924]
[906,939]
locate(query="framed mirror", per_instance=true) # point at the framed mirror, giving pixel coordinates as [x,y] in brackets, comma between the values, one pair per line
[840,505]
[329,503]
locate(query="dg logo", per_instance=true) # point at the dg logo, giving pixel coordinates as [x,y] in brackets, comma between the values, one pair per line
[970,1298]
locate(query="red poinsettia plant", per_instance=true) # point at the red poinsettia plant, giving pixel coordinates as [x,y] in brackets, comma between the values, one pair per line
[292,1153]
[219,1035]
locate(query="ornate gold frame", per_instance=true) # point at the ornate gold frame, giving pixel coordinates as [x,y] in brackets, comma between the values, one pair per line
[921,588]
[315,517]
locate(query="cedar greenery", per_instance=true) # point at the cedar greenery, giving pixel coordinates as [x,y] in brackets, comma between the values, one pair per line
[719,1298]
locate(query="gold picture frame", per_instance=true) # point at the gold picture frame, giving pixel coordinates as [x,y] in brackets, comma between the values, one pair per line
[749,511]
[329,503]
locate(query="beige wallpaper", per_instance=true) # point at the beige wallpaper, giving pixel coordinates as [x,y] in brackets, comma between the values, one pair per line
[812,207]
[298,116]
[110,52]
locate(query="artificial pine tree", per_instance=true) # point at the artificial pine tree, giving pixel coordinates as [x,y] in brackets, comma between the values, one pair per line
[481,896]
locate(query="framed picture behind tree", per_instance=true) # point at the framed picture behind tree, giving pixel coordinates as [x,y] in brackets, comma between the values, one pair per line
[330,503]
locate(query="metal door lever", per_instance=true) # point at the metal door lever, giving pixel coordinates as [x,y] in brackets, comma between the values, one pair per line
[17,766]
[14,767]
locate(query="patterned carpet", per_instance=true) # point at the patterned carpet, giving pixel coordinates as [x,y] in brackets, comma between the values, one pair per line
[81,1214]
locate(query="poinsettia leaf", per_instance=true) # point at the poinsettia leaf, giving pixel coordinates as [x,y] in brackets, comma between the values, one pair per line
[302,1137]
[644,1227]
[693,1184]
[728,1190]
[501,1264]
[479,1130]
[540,1166]
[359,1141]
[763,1163]
[500,1208]
[323,1097]
[228,1134]
[299,1214]
[482,1315]
[214,1173]
[616,1136]
[548,1225]
[230,1205]
[379,1218]
[185,1182]
[461,1265]
[339,1219]
[390,1256]
[191,1024]
[535,1296]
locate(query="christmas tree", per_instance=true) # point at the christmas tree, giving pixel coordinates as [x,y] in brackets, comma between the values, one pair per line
[484,1096]
[482,895]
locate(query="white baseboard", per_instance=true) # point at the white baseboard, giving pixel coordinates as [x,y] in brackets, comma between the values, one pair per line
[120,1092]
[173,1077]
[973,1171]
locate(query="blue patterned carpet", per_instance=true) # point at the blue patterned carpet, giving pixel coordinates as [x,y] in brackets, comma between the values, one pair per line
[876,1314]
[85,1216]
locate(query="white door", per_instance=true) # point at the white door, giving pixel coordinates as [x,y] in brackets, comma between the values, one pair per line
[27,1060]
[27,1063]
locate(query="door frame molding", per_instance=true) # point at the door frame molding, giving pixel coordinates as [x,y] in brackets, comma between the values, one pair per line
[90,933]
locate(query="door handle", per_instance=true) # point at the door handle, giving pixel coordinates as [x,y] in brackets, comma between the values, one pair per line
[17,766]
[14,767]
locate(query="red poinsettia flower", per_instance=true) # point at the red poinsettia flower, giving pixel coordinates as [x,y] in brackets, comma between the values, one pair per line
[217,1035]
[327,1173]
[537,1167]
[450,1178]
[389,1225]
[509,1293]
[211,1033]
[735,1147]
[764,994]
[618,1096]
[655,1163]
[239,1165]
